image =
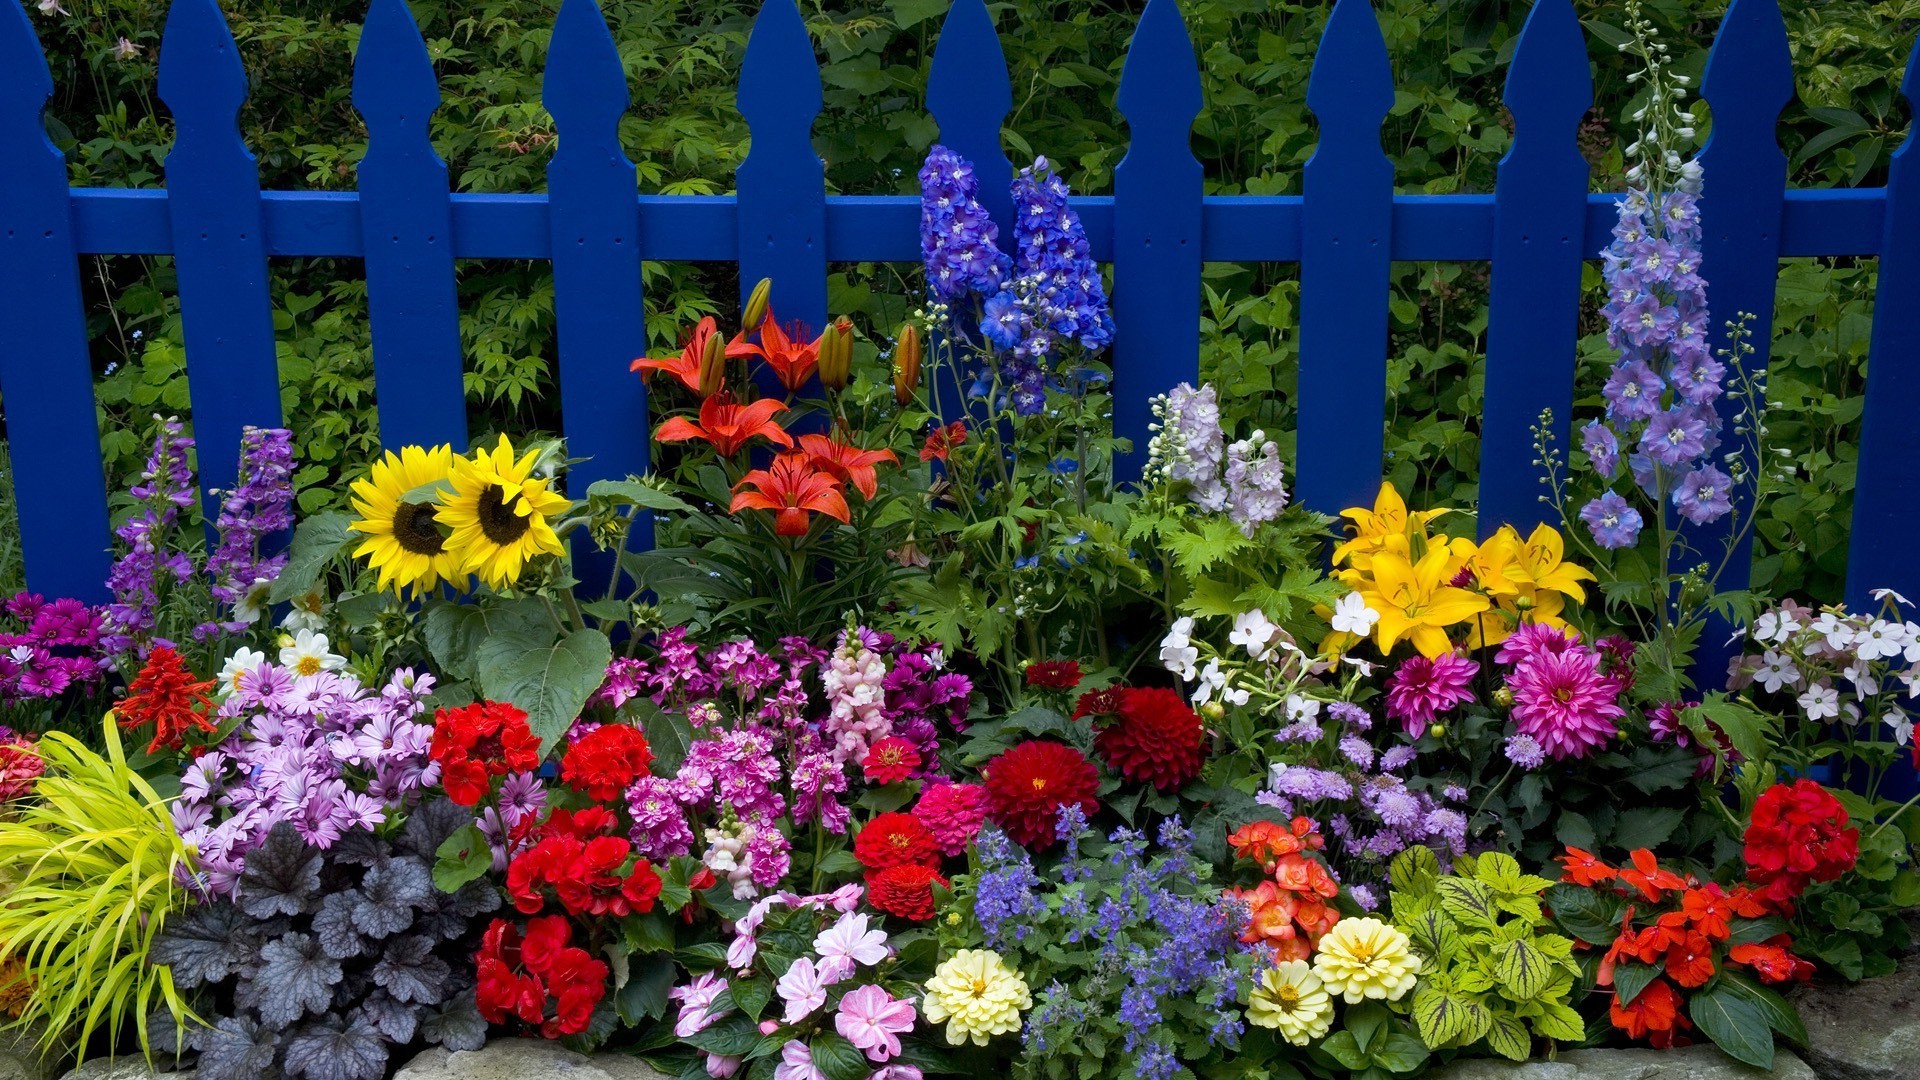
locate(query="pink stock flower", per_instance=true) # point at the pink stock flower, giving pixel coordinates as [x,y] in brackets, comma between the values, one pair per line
[872,1020]
[1422,689]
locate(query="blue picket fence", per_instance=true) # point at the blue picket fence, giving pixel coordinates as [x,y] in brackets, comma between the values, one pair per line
[1157,229]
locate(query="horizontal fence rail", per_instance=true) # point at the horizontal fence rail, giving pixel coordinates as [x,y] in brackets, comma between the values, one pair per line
[1157,230]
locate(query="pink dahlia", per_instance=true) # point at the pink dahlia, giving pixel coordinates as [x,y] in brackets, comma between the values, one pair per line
[1565,701]
[953,813]
[1422,689]
[1530,638]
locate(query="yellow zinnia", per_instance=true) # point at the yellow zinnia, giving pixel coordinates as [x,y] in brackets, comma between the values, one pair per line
[404,543]
[977,995]
[498,512]
[1291,999]
[1366,958]
[1415,602]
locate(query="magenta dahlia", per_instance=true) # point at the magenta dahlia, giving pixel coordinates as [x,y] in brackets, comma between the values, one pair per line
[1565,701]
[1528,639]
[1422,689]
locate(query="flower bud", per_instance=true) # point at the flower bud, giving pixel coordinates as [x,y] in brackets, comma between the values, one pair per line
[1503,697]
[713,365]
[1213,711]
[1439,731]
[906,365]
[836,355]
[756,309]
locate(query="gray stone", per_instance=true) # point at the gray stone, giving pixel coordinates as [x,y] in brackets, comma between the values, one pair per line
[1867,1031]
[524,1059]
[124,1067]
[1686,1063]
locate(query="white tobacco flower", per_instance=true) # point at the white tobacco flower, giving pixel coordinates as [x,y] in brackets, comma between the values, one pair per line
[1821,702]
[1838,633]
[1901,723]
[1776,670]
[1860,673]
[1880,640]
[1351,615]
[1253,631]
[1775,627]
[1300,707]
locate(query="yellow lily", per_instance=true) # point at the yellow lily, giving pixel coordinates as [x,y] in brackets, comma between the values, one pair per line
[1415,602]
[1379,527]
[1542,562]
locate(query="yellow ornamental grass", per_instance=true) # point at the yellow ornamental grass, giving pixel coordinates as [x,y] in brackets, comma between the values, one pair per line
[95,868]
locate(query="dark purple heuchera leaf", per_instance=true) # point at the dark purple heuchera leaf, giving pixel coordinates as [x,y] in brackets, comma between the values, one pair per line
[388,896]
[330,1049]
[397,1021]
[200,944]
[235,1048]
[410,972]
[333,925]
[282,876]
[428,826]
[476,898]
[456,1025]
[357,848]
[295,978]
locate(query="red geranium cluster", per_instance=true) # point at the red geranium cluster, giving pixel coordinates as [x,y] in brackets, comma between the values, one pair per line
[902,861]
[1686,930]
[1150,735]
[166,695]
[1798,836]
[605,761]
[587,870]
[1288,911]
[478,742]
[1029,784]
[518,975]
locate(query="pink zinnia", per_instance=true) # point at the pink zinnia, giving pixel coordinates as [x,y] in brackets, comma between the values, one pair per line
[953,813]
[873,1021]
[1531,638]
[1422,689]
[1565,702]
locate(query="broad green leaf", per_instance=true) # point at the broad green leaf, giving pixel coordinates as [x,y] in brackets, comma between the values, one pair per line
[552,683]
[1629,979]
[1507,1036]
[1441,1017]
[837,1058]
[1646,826]
[1734,1021]
[1498,869]
[1468,900]
[1402,1053]
[1780,1014]
[733,1035]
[1342,1048]
[1560,1022]
[1592,915]
[454,632]
[462,857]
[669,735]
[316,541]
[637,493]
[1414,870]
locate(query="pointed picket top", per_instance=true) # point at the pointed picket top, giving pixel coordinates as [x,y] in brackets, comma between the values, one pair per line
[780,92]
[201,77]
[1748,83]
[26,84]
[969,94]
[393,84]
[1550,85]
[1160,81]
[584,88]
[1351,87]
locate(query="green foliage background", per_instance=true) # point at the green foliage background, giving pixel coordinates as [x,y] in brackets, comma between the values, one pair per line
[1447,132]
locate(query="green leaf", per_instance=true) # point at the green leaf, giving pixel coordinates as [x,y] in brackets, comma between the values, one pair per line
[1508,1037]
[1342,1048]
[837,1058]
[1440,1016]
[910,13]
[1574,830]
[669,735]
[1629,979]
[1754,931]
[733,1036]
[752,995]
[550,682]
[1402,1053]
[1468,900]
[644,997]
[1735,1023]
[462,857]
[454,632]
[1780,1014]
[1560,1022]
[637,493]
[1500,870]
[316,541]
[1646,826]
[1592,915]
[1523,969]
[1414,870]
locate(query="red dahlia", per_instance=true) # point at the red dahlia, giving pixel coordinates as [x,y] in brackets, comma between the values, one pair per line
[895,839]
[1027,786]
[478,742]
[905,891]
[1054,674]
[1152,737]
[606,760]
[166,695]
[890,760]
[1798,835]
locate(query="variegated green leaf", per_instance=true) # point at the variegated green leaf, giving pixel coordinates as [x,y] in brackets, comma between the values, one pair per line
[1468,900]
[1507,1036]
[1523,969]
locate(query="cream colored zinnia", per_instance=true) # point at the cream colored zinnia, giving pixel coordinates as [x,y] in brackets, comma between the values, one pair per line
[977,995]
[1291,999]
[1366,958]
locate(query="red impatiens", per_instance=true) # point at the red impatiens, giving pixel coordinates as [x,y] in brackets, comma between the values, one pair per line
[517,975]
[478,742]
[1029,784]
[606,760]
[166,695]
[1798,835]
[1150,735]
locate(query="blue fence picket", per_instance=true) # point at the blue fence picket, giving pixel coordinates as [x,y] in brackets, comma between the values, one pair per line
[1157,190]
[1886,514]
[1345,244]
[595,222]
[782,183]
[1748,81]
[1539,224]
[219,242]
[46,378]
[970,94]
[406,218]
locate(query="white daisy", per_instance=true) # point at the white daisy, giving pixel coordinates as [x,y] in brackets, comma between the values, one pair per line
[309,654]
[241,662]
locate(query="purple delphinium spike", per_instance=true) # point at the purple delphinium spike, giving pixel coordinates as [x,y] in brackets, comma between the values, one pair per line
[141,574]
[259,505]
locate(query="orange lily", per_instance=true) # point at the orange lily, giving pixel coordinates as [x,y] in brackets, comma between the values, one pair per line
[846,463]
[792,359]
[942,441]
[727,425]
[792,489]
[686,366]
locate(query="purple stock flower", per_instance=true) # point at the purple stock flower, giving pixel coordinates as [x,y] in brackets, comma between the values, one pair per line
[140,574]
[260,504]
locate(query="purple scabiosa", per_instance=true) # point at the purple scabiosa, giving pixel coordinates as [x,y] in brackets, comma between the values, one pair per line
[1355,717]
[1525,751]
[1357,750]
[1565,701]
[1421,689]
[1613,521]
[1397,758]
[1308,784]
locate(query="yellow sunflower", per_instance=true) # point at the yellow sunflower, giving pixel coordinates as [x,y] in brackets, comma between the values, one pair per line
[403,542]
[498,512]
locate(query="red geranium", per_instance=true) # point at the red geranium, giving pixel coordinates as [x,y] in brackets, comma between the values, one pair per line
[1054,674]
[905,890]
[516,974]
[890,760]
[1798,835]
[1029,784]
[166,695]
[895,839]
[1152,736]
[606,760]
[589,877]
[478,742]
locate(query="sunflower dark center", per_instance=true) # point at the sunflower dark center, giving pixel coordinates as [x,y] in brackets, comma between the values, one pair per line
[413,529]
[497,519]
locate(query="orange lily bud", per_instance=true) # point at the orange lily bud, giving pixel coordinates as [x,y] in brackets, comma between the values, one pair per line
[836,355]
[757,304]
[713,366]
[906,365]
